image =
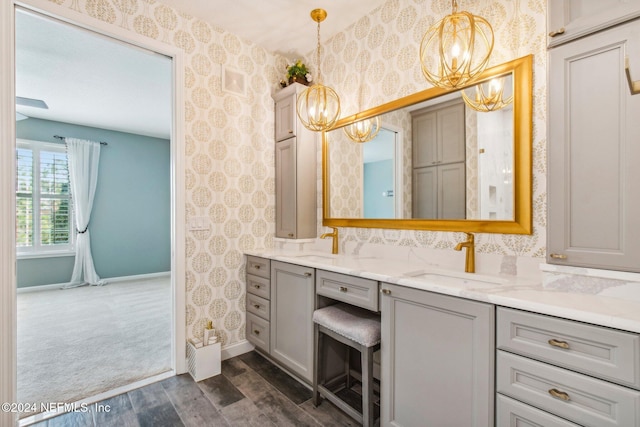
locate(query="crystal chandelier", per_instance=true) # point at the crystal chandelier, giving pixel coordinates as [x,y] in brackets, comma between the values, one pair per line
[456,50]
[318,107]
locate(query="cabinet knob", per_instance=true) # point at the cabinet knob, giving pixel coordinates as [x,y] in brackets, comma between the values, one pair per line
[290,234]
[307,274]
[556,343]
[385,291]
[256,332]
[256,286]
[558,256]
[559,394]
[343,289]
[556,32]
[257,267]
[257,306]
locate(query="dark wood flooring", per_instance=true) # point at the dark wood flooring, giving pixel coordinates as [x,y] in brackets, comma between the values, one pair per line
[251,391]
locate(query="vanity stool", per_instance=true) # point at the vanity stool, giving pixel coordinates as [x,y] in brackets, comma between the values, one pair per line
[359,329]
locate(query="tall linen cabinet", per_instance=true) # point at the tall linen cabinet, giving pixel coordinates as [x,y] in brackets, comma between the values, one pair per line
[296,169]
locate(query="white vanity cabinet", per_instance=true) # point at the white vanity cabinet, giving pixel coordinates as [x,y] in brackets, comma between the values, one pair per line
[570,19]
[291,322]
[437,359]
[565,372]
[295,163]
[593,151]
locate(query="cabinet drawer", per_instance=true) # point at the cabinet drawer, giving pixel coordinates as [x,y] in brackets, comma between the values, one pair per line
[258,331]
[585,400]
[349,289]
[258,286]
[511,413]
[258,306]
[601,352]
[258,266]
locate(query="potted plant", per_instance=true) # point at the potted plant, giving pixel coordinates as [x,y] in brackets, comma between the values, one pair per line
[298,72]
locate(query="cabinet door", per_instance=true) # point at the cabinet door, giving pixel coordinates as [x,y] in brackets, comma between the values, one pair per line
[570,19]
[453,190]
[451,134]
[292,303]
[286,118]
[594,203]
[286,184]
[425,192]
[424,138]
[437,360]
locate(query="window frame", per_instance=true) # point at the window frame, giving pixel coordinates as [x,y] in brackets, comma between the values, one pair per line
[37,250]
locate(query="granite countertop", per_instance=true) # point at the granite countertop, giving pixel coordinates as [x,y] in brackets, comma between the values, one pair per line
[611,299]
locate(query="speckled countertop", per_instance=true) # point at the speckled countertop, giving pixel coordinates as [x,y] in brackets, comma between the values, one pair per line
[598,297]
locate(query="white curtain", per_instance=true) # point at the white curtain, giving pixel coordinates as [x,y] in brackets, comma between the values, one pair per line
[83,157]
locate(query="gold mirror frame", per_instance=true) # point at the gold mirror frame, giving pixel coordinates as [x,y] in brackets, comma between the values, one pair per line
[522,69]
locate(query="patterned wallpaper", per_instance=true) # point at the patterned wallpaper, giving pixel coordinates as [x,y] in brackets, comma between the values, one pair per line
[380,52]
[229,138]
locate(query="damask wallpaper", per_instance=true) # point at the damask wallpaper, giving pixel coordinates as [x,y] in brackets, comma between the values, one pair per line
[229,139]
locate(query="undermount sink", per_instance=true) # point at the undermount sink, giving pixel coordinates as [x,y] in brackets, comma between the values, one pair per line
[468,278]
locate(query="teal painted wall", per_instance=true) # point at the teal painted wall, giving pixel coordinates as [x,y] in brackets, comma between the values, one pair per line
[131,219]
[378,178]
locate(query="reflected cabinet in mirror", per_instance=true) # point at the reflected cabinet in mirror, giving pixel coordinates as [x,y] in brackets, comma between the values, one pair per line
[442,160]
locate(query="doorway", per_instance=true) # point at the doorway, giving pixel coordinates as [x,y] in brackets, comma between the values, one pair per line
[45,127]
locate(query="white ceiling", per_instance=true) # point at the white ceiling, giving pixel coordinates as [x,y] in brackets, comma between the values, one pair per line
[91,80]
[280,26]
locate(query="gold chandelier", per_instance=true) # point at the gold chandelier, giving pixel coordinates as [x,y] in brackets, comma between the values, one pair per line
[318,107]
[363,130]
[456,50]
[488,96]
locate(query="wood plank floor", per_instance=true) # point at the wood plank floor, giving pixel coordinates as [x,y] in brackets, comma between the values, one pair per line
[251,391]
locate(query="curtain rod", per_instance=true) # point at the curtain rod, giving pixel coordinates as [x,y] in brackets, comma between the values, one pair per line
[63,137]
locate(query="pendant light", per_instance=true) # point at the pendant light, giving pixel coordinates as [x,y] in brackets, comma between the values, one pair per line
[363,130]
[318,107]
[456,50]
[489,95]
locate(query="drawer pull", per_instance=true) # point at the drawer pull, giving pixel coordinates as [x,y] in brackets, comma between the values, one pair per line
[256,266]
[562,344]
[256,286]
[257,306]
[307,274]
[257,332]
[343,289]
[556,32]
[385,291]
[559,394]
[290,234]
[290,131]
[558,256]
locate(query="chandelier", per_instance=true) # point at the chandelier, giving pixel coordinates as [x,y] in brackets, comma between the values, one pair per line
[456,50]
[318,107]
[488,96]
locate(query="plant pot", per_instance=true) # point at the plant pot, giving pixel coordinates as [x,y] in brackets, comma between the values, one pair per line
[300,80]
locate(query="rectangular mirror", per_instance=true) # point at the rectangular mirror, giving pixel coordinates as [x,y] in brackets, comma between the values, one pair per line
[440,161]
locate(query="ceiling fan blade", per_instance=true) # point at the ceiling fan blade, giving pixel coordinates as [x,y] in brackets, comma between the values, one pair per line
[31,102]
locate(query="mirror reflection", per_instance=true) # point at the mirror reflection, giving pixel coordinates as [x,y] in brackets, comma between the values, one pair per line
[443,158]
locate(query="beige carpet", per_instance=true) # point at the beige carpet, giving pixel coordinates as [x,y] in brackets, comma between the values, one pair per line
[76,343]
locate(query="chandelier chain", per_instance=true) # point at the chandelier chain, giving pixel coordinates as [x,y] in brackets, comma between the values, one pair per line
[318,55]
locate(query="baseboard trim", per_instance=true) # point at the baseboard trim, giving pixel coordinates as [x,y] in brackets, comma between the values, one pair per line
[236,349]
[108,280]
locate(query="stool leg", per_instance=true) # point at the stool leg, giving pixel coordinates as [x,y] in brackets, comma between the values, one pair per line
[367,387]
[317,363]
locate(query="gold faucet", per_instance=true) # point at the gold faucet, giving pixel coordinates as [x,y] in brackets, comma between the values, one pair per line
[470,260]
[334,236]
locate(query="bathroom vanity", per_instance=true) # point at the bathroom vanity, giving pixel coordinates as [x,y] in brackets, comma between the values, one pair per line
[559,357]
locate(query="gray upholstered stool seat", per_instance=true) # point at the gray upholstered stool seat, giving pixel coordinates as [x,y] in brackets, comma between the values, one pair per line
[359,329]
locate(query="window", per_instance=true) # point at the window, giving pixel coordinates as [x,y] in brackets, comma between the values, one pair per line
[44,221]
